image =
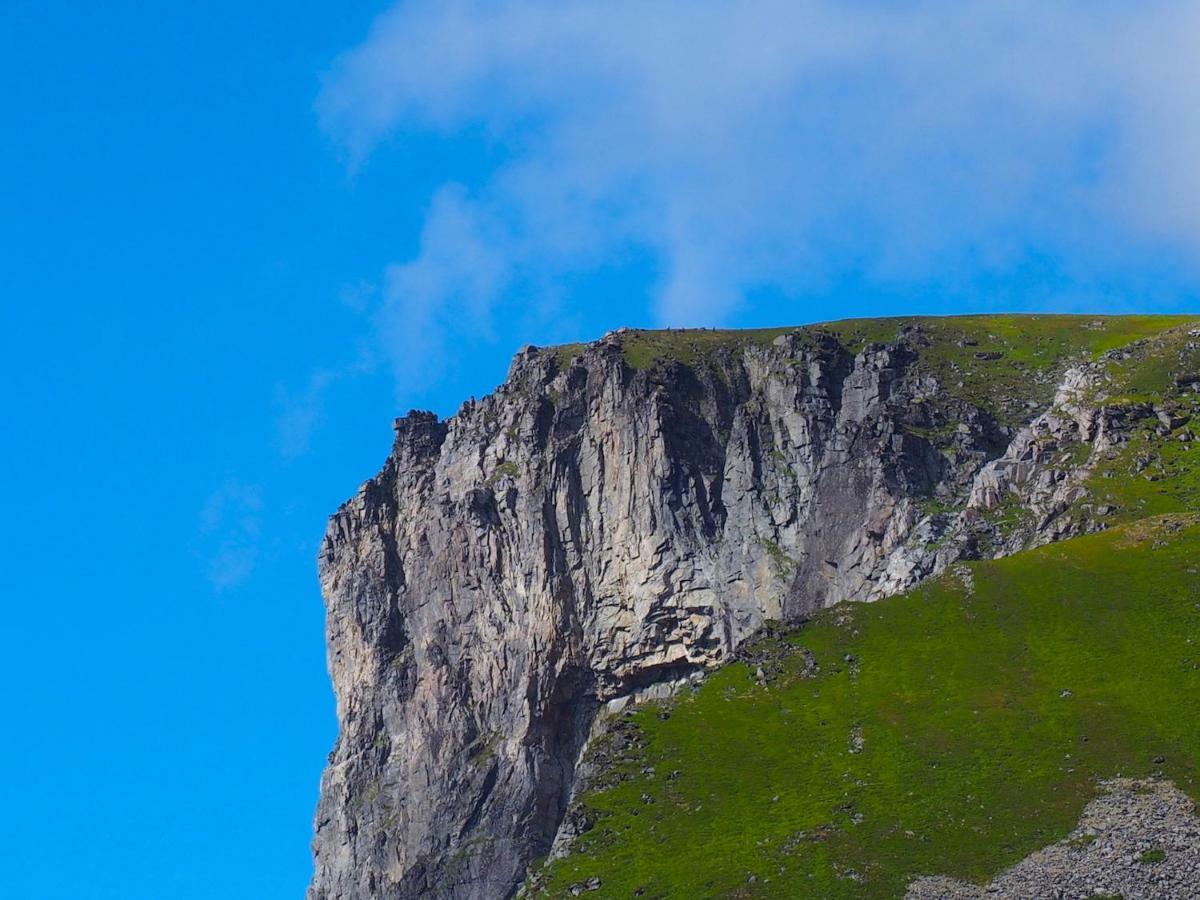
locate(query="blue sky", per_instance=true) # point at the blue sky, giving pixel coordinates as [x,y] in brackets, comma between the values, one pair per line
[238,239]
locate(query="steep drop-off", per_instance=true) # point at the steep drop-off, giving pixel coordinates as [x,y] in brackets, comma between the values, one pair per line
[617,518]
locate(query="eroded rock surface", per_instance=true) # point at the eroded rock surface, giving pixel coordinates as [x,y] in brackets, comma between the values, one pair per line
[592,532]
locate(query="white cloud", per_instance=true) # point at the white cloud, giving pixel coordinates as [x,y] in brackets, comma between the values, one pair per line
[451,285]
[776,143]
[231,531]
[301,411]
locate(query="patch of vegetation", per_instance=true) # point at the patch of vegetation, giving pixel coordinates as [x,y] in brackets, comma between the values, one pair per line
[1031,339]
[1008,515]
[484,748]
[1150,369]
[1082,842]
[370,793]
[1148,477]
[999,363]
[506,469]
[468,848]
[937,434]
[1150,857]
[784,564]
[690,346]
[990,361]
[1157,470]
[938,732]
[1076,454]
[933,506]
[564,354]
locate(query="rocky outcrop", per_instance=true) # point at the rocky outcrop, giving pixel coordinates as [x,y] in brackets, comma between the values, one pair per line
[593,532]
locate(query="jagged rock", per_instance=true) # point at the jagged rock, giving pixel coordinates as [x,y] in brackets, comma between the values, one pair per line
[592,534]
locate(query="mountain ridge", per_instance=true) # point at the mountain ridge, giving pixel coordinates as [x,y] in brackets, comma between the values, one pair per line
[618,517]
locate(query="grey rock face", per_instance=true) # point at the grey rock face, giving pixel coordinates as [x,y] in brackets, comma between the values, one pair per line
[591,533]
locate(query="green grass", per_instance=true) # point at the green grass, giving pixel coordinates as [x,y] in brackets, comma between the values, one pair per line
[1150,369]
[1082,842]
[1154,472]
[1025,340]
[986,719]
[1149,477]
[506,469]
[690,346]
[1029,350]
[564,354]
[783,563]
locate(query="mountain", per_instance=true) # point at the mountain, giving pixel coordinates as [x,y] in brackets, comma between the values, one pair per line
[615,614]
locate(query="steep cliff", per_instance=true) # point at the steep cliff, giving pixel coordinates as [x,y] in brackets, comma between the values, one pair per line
[618,517]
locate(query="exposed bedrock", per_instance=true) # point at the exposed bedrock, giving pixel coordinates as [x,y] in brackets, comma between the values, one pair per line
[593,531]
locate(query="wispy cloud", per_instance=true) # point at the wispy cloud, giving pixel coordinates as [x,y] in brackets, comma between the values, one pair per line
[301,411]
[231,532]
[453,282]
[778,143]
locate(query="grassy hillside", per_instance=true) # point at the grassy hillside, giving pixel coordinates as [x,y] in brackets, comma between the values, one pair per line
[950,730]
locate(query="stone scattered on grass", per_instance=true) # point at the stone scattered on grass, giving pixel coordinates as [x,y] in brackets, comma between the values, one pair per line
[1139,840]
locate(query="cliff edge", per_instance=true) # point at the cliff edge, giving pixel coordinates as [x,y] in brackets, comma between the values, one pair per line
[618,517]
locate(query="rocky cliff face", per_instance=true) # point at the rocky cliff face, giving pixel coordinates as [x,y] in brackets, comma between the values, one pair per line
[595,531]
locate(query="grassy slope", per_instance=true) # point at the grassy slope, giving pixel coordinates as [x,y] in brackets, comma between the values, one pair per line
[1158,472]
[971,757]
